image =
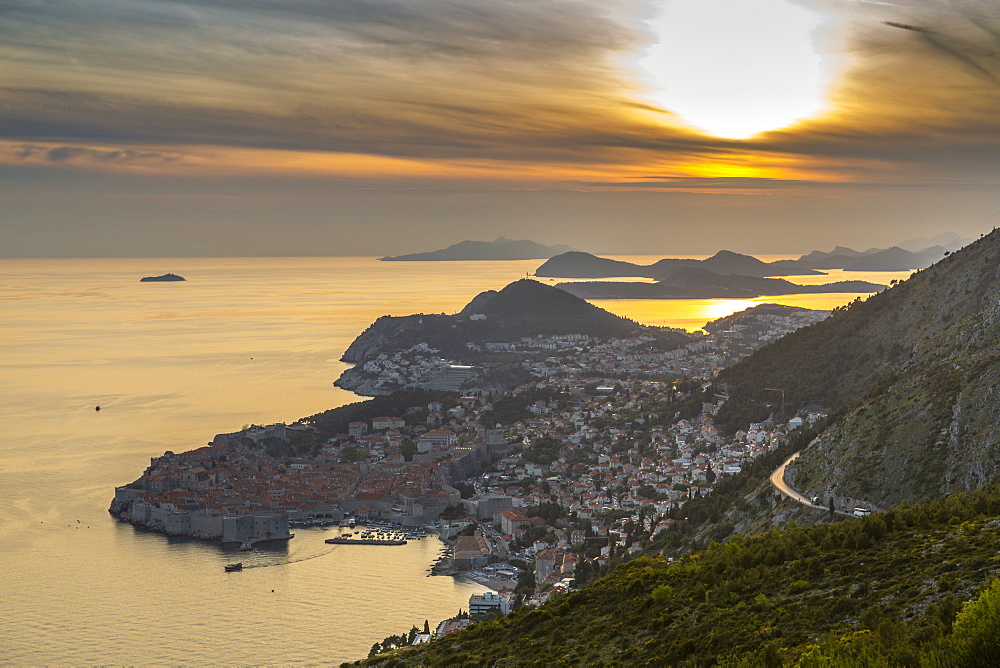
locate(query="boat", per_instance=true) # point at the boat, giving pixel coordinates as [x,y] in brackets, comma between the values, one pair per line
[238,566]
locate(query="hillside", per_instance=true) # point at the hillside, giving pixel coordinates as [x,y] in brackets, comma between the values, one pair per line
[523,308]
[882,590]
[839,360]
[928,429]
[750,315]
[500,249]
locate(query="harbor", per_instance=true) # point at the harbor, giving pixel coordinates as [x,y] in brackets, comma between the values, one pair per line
[376,533]
[346,540]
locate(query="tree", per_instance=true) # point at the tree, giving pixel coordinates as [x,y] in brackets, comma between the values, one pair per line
[350,454]
[408,449]
[427,627]
[833,509]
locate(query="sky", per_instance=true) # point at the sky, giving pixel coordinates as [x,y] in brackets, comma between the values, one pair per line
[373,127]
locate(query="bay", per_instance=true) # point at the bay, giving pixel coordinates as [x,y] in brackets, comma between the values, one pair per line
[243,340]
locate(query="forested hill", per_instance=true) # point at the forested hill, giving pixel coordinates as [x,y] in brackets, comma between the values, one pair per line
[839,360]
[885,590]
[523,308]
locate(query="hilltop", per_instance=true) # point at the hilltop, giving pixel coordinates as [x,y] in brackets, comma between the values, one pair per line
[499,249]
[489,340]
[523,308]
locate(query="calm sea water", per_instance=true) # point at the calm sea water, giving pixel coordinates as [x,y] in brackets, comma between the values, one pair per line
[171,364]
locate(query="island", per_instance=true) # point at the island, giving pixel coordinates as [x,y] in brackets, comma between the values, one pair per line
[874,259]
[584,265]
[499,249]
[164,278]
[695,283]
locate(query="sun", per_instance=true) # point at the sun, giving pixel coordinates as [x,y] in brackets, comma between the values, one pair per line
[735,68]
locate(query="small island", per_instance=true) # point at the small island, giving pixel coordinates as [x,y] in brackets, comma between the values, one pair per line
[165,278]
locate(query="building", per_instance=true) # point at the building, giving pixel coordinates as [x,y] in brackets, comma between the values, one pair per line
[471,552]
[382,423]
[357,429]
[490,603]
[511,520]
[452,625]
[437,439]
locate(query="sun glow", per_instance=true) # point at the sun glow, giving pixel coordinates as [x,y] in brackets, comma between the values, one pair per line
[735,68]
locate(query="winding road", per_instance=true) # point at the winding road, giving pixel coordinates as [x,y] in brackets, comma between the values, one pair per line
[778,480]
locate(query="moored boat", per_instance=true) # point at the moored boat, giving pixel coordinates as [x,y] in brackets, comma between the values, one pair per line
[234,567]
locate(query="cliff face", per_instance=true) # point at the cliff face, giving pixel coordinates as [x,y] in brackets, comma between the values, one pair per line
[361,383]
[383,334]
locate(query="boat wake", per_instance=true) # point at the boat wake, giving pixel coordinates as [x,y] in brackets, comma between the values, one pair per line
[289,561]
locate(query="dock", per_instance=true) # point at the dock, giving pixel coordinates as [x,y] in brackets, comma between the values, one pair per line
[365,541]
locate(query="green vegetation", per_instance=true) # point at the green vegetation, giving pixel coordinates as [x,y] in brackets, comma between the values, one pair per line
[408,449]
[882,590]
[511,408]
[336,420]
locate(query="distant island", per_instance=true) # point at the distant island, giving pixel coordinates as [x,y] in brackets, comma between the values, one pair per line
[500,249]
[905,256]
[584,265]
[694,283]
[165,278]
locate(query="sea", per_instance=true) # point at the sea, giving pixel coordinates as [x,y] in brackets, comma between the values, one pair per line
[242,341]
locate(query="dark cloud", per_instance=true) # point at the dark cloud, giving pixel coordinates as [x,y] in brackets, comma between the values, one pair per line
[509,80]
[65,154]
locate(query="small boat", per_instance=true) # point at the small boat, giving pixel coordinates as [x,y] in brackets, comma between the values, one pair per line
[234,567]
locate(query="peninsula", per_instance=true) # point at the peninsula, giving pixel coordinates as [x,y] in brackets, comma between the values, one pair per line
[417,455]
[486,343]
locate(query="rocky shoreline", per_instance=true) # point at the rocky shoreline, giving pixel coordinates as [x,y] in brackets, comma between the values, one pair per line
[361,383]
